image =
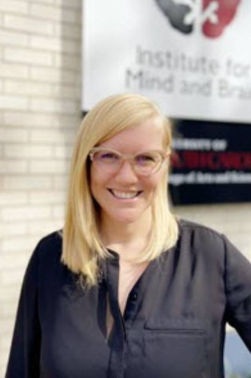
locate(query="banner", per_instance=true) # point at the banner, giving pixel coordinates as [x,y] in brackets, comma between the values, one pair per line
[192,57]
[211,163]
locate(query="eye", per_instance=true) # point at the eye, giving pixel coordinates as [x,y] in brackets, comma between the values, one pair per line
[146,159]
[106,156]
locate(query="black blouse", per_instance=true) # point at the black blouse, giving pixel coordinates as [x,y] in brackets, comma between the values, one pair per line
[173,325]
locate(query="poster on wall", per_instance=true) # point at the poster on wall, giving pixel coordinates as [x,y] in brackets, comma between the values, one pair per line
[211,163]
[192,57]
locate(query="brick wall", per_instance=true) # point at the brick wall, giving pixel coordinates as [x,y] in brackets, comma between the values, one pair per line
[40,47]
[39,112]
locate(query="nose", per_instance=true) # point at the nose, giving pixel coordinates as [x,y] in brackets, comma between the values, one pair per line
[126,173]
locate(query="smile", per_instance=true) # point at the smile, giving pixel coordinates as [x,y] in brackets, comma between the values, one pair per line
[124,195]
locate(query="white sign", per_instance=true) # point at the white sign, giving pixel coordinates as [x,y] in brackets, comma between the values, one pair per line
[192,57]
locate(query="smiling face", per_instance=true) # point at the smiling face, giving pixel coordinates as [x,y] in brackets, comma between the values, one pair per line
[122,195]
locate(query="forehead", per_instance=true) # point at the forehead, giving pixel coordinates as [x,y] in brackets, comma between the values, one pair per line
[146,135]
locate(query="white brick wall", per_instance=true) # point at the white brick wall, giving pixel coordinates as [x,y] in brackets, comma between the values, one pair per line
[40,46]
[39,113]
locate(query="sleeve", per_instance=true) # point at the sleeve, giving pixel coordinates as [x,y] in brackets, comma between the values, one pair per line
[25,348]
[238,292]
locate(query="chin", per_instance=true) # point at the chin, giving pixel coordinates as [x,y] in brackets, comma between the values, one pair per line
[127,216]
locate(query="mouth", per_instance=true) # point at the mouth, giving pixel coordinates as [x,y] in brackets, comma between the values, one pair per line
[125,195]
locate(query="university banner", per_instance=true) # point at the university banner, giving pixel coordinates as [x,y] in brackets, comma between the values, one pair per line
[211,163]
[192,57]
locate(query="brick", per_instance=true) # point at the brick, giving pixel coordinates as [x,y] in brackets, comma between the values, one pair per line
[53,75]
[28,24]
[1,18]
[60,182]
[68,30]
[63,152]
[23,244]
[53,13]
[27,151]
[17,198]
[27,182]
[9,293]
[55,44]
[67,61]
[1,46]
[66,91]
[13,166]
[11,277]
[45,228]
[6,326]
[77,4]
[7,332]
[1,85]
[58,211]
[14,6]
[13,102]
[10,38]
[28,56]
[48,166]
[50,2]
[19,260]
[13,135]
[14,71]
[54,105]
[52,136]
[5,345]
[47,197]
[3,363]
[25,212]
[33,120]
[13,229]
[27,88]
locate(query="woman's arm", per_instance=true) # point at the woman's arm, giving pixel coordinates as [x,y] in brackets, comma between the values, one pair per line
[238,291]
[25,348]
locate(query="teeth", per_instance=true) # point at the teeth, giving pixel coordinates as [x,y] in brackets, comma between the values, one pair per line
[124,195]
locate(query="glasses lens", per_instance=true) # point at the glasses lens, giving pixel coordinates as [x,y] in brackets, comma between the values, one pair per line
[147,162]
[106,157]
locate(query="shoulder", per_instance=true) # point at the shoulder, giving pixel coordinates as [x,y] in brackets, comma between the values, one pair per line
[45,257]
[200,240]
[48,250]
[201,231]
[208,244]
[52,241]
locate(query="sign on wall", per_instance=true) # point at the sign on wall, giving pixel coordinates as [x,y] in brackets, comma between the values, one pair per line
[192,57]
[211,162]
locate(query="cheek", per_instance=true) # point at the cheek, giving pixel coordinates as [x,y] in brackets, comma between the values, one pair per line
[98,182]
[152,184]
[94,181]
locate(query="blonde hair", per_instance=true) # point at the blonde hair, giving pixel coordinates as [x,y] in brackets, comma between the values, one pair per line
[82,245]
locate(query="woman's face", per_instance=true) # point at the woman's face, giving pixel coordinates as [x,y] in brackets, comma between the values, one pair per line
[124,196]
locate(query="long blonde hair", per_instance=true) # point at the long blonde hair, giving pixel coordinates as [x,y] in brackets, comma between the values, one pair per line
[82,245]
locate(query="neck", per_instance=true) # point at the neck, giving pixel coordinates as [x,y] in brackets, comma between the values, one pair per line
[127,239]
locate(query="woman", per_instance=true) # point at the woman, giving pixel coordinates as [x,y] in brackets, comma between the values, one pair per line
[126,290]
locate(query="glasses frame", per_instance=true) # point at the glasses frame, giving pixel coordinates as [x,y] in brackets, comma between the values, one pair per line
[130,157]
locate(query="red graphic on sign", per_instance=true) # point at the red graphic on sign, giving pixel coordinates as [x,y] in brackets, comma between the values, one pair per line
[225,14]
[209,17]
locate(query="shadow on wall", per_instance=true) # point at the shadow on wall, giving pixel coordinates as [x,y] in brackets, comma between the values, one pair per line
[237,357]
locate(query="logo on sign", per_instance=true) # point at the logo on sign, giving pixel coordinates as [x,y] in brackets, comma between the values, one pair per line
[209,17]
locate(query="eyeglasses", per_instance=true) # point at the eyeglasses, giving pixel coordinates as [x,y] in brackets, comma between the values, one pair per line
[144,163]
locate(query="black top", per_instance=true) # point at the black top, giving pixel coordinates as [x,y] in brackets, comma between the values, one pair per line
[173,325]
